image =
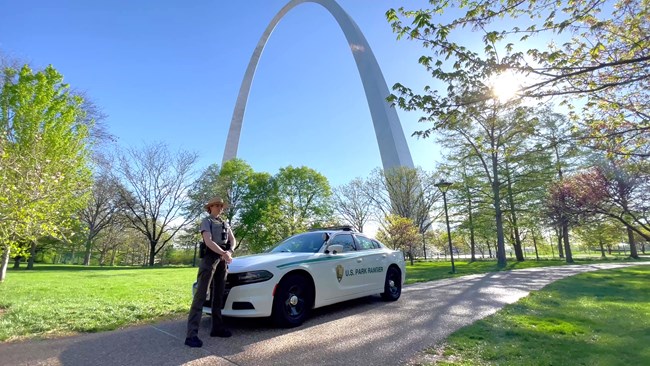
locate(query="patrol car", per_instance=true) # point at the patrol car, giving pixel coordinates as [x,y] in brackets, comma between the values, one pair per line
[308,271]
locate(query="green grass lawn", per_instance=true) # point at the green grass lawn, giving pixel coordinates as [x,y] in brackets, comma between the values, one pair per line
[430,271]
[596,318]
[54,300]
[58,300]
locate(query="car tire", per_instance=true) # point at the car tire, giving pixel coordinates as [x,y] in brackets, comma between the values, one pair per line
[392,285]
[293,301]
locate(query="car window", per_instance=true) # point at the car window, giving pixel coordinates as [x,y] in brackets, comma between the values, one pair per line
[364,243]
[345,240]
[300,243]
[376,244]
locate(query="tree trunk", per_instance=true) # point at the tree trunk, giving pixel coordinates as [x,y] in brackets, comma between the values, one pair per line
[630,237]
[72,254]
[513,216]
[489,249]
[472,241]
[567,247]
[4,262]
[17,262]
[152,253]
[32,255]
[501,249]
[424,246]
[87,254]
[535,245]
[602,248]
[560,251]
[113,254]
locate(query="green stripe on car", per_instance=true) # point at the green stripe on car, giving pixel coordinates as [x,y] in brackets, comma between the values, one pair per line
[328,258]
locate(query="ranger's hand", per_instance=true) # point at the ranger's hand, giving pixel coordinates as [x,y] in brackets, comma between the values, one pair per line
[227,256]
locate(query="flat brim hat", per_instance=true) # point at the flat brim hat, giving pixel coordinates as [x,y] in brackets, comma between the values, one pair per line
[215,201]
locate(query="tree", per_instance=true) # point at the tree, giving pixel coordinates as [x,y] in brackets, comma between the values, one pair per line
[603,62]
[399,233]
[112,239]
[489,137]
[352,204]
[599,230]
[557,136]
[202,190]
[303,199]
[231,182]
[154,190]
[527,169]
[614,189]
[259,215]
[406,192]
[101,210]
[561,215]
[234,183]
[466,194]
[44,156]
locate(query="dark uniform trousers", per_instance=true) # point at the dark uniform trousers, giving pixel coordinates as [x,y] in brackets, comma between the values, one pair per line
[212,269]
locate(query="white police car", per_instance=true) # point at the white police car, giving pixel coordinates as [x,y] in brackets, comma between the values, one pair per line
[310,270]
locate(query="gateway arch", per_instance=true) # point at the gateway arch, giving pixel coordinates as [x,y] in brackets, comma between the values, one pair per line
[390,137]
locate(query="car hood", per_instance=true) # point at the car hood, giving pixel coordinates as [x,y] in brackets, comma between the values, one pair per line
[266,261]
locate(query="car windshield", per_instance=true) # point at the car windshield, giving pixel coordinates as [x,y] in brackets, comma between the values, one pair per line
[300,243]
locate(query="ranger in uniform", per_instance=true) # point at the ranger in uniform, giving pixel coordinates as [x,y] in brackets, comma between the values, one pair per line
[219,244]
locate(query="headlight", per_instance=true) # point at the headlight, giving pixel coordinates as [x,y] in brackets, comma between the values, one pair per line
[245,278]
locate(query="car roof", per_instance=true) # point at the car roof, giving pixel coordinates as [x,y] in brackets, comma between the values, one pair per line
[332,229]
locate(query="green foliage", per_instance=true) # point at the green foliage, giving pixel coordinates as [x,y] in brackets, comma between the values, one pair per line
[258,221]
[204,188]
[398,233]
[599,231]
[303,199]
[588,319]
[593,55]
[44,156]
[265,209]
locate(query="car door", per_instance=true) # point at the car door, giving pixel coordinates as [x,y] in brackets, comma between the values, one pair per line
[374,263]
[340,278]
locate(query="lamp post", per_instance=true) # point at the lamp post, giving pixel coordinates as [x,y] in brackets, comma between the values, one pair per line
[443,186]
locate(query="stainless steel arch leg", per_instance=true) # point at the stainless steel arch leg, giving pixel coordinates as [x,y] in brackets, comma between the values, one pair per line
[388,130]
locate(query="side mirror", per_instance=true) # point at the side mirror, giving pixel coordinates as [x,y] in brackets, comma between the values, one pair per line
[334,249]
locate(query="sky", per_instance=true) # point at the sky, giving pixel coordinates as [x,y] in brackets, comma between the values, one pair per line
[170,71]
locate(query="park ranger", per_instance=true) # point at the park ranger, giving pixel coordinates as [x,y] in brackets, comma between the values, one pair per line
[219,243]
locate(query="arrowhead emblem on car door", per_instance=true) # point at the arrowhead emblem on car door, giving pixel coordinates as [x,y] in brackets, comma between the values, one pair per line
[339,272]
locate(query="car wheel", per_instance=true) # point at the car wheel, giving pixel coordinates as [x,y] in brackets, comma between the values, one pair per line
[293,301]
[393,285]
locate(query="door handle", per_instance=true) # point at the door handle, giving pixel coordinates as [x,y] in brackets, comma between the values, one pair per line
[359,260]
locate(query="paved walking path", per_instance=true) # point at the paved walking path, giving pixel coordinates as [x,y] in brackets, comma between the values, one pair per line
[359,332]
